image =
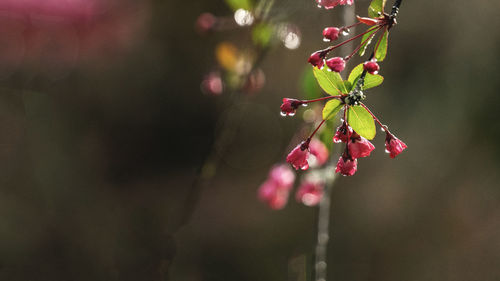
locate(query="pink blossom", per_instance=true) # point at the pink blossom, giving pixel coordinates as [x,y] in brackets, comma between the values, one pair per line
[317,59]
[329,4]
[309,193]
[346,165]
[341,133]
[371,67]
[205,22]
[289,106]
[275,190]
[360,147]
[393,145]
[273,195]
[282,175]
[331,33]
[298,156]
[336,64]
[319,150]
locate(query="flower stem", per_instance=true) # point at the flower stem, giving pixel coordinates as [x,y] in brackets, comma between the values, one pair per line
[377,29]
[375,118]
[320,99]
[329,49]
[313,133]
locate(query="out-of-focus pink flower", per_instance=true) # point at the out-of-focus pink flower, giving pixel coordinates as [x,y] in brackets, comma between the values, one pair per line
[317,59]
[212,84]
[329,4]
[393,145]
[298,156]
[346,165]
[276,189]
[331,33]
[205,22]
[282,175]
[360,147]
[371,67]
[336,64]
[319,150]
[310,192]
[289,106]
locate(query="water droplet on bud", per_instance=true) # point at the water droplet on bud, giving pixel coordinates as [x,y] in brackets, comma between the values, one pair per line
[326,40]
[345,31]
[304,104]
[291,114]
[282,113]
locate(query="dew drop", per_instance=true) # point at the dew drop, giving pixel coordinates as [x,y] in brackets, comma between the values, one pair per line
[375,72]
[326,40]
[387,151]
[304,104]
[345,32]
[291,114]
[319,6]
[282,113]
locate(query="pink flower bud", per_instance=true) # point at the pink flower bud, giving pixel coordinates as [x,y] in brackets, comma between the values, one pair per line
[393,145]
[336,64]
[309,193]
[298,156]
[289,106]
[346,165]
[331,33]
[371,67]
[341,133]
[360,147]
[317,59]
[205,22]
[319,150]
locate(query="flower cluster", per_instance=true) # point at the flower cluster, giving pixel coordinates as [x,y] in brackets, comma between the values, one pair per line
[357,124]
[276,189]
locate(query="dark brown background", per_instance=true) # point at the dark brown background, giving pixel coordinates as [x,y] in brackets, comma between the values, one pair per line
[103,127]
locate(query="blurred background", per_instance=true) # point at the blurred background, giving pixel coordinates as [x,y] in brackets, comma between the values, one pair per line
[105,133]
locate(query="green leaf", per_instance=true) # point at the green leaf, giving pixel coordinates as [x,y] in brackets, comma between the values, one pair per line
[261,34]
[371,80]
[329,81]
[364,39]
[331,108]
[361,121]
[381,50]
[239,4]
[375,7]
[309,86]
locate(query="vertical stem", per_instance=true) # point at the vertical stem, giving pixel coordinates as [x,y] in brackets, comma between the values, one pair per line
[320,265]
[323,233]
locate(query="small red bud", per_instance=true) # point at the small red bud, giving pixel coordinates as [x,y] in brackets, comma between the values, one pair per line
[336,64]
[289,106]
[371,67]
[393,145]
[331,33]
[317,59]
